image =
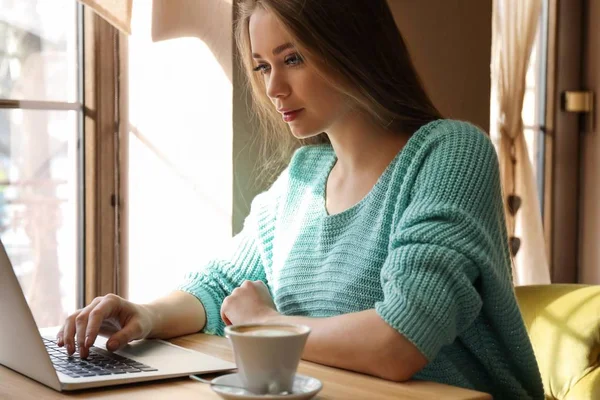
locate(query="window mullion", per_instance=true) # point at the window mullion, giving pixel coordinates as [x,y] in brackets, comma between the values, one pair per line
[101,203]
[39,105]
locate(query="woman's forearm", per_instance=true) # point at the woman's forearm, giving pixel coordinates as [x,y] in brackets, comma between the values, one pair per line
[361,342]
[178,313]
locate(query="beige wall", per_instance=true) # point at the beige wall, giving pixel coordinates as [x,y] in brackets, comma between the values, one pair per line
[450,41]
[589,216]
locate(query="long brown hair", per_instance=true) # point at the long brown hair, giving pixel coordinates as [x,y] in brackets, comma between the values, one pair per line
[354,43]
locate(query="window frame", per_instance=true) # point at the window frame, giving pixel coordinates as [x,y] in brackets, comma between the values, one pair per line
[104,112]
[562,141]
[101,96]
[79,107]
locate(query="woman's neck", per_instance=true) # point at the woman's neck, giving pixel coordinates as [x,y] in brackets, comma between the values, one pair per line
[363,146]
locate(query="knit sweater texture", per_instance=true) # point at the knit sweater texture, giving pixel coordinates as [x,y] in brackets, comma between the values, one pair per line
[426,248]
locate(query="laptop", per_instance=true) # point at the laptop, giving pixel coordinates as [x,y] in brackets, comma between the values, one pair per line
[34,353]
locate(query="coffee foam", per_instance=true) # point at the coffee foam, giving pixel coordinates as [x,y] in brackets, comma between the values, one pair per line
[268,330]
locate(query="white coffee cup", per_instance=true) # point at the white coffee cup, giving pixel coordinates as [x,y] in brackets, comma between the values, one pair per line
[267,355]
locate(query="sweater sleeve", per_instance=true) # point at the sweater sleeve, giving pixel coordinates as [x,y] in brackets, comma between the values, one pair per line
[244,260]
[450,229]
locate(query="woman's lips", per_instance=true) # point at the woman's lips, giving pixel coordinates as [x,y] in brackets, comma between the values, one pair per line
[291,115]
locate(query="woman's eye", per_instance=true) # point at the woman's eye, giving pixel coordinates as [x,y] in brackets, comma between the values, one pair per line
[262,68]
[293,59]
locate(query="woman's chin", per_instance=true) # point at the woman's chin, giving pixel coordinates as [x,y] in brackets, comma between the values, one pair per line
[302,133]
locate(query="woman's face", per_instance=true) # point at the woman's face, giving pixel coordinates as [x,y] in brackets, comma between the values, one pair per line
[306,101]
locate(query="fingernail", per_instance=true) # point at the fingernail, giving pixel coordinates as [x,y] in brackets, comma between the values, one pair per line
[87,342]
[112,345]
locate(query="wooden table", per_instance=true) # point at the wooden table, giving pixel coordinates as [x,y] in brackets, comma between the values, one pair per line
[337,383]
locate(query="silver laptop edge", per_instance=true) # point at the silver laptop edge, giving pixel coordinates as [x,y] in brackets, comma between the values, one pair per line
[22,348]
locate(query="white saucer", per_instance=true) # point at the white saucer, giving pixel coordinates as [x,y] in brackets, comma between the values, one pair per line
[305,387]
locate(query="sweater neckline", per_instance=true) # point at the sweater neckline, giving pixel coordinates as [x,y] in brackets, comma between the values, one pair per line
[381,181]
[352,210]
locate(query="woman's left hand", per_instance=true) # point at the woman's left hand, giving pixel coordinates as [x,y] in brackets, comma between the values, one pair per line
[247,304]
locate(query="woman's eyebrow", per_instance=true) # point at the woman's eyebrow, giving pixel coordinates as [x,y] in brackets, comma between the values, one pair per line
[277,50]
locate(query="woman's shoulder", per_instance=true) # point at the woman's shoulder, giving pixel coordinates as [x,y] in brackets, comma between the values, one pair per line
[447,147]
[312,153]
[310,161]
[451,133]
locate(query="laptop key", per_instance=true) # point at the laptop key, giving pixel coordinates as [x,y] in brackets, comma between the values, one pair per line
[99,361]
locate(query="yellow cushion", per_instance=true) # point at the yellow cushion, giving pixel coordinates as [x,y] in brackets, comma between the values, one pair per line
[587,388]
[563,324]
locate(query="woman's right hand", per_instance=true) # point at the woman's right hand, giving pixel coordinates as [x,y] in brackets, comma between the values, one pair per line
[134,321]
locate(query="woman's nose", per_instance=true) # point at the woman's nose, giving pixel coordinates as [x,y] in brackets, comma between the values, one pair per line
[277,86]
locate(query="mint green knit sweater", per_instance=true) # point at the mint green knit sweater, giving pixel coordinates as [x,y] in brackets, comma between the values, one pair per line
[426,248]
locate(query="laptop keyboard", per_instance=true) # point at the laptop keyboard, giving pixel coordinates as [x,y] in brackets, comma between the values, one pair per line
[99,362]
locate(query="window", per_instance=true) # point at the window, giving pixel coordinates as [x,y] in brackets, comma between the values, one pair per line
[40,152]
[179,156]
[530,111]
[533,112]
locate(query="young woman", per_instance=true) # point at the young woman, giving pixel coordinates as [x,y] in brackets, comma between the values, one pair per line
[385,233]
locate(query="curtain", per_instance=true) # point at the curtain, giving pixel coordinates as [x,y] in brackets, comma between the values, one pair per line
[116,12]
[514,28]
